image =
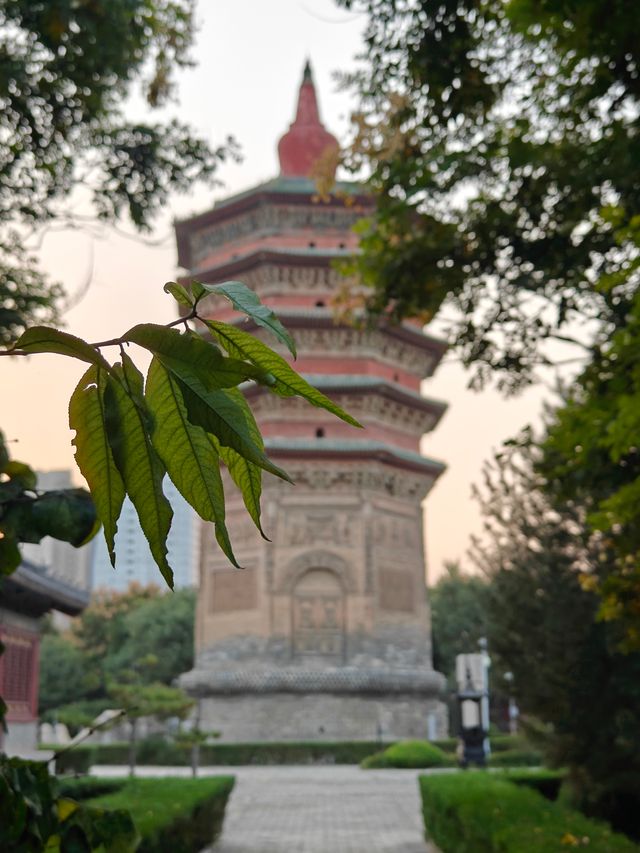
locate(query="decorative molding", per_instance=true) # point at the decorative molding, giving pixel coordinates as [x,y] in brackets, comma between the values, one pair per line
[271,219]
[316,559]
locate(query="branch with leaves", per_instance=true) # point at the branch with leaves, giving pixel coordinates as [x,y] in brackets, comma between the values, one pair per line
[184,420]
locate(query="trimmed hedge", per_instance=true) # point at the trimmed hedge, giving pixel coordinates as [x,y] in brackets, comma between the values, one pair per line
[154,751]
[409,754]
[87,787]
[478,812]
[173,815]
[515,758]
[545,782]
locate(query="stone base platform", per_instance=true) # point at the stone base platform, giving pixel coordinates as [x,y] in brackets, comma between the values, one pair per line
[321,717]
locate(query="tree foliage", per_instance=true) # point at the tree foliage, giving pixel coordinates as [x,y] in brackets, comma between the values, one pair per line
[458,617]
[138,637]
[66,69]
[500,137]
[569,672]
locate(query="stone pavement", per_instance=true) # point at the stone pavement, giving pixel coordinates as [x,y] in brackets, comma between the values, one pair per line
[335,809]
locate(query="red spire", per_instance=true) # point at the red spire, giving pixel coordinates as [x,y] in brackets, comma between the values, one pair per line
[306,140]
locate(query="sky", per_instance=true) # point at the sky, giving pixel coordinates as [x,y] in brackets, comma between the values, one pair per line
[248,57]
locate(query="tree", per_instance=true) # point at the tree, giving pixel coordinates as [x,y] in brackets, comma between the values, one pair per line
[65,70]
[142,635]
[591,458]
[569,672]
[148,700]
[503,146]
[500,139]
[458,617]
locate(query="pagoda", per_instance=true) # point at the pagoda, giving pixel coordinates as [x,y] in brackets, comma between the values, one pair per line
[325,634]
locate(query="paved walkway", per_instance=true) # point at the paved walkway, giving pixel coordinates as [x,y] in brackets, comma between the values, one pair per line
[333,809]
[323,810]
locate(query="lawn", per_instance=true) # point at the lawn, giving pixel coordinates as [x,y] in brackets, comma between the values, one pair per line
[171,814]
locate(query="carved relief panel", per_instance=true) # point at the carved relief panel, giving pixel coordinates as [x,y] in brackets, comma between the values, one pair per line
[318,615]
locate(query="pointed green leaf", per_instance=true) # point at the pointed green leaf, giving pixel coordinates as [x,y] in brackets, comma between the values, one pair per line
[248,478]
[128,429]
[4,453]
[225,414]
[179,293]
[9,555]
[244,299]
[44,339]
[188,452]
[189,356]
[87,416]
[287,383]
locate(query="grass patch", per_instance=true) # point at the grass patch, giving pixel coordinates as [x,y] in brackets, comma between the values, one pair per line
[477,812]
[410,754]
[172,815]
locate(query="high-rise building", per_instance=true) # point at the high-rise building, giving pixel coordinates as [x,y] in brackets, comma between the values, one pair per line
[134,562]
[326,631]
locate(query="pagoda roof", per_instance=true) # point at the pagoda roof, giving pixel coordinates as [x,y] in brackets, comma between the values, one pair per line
[355,383]
[292,190]
[357,448]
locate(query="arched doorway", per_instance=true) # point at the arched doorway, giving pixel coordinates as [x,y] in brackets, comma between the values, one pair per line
[318,615]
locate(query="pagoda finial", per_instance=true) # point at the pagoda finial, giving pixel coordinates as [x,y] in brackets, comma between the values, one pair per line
[307,140]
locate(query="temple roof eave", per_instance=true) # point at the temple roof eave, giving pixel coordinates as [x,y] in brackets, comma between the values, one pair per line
[31,590]
[365,384]
[293,190]
[355,449]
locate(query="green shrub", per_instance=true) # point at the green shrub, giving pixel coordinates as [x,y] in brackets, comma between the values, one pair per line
[173,815]
[502,743]
[546,782]
[409,754]
[515,758]
[88,787]
[160,750]
[480,813]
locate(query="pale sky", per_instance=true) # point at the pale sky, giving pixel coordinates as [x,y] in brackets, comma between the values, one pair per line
[249,57]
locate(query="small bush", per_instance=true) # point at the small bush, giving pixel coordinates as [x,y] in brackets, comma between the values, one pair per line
[409,754]
[173,815]
[515,758]
[481,813]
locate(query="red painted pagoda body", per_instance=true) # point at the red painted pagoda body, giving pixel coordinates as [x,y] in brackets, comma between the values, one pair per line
[326,633]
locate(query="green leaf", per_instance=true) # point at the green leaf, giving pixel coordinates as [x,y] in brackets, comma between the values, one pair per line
[87,416]
[248,478]
[188,452]
[44,339]
[68,515]
[10,557]
[179,293]
[22,474]
[287,383]
[128,430]
[225,414]
[4,453]
[244,299]
[190,357]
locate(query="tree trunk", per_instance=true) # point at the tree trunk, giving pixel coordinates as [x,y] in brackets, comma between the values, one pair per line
[132,747]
